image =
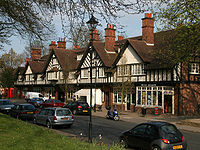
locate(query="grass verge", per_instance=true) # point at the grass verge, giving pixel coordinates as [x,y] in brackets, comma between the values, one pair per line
[19,135]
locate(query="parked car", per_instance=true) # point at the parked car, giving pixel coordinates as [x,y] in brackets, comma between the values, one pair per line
[23,111]
[52,103]
[154,136]
[54,116]
[30,95]
[78,107]
[5,106]
[36,101]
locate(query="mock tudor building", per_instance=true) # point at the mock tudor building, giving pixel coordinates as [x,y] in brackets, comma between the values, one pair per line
[124,74]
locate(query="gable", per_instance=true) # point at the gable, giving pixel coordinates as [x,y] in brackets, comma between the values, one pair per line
[53,63]
[129,57]
[28,70]
[95,58]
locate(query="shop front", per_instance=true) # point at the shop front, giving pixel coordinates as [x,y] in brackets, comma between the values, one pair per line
[151,96]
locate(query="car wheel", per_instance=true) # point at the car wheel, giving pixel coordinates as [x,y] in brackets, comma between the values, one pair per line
[156,148]
[74,112]
[123,142]
[49,125]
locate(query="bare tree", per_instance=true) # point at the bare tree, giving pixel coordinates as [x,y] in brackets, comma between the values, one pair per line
[34,17]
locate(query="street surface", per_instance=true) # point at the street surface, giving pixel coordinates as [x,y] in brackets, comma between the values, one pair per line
[108,131]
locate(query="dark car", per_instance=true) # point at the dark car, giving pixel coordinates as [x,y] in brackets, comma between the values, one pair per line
[36,101]
[54,116]
[5,105]
[78,107]
[154,136]
[52,103]
[23,111]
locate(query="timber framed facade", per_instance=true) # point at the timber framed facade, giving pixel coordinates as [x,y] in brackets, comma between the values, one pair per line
[124,74]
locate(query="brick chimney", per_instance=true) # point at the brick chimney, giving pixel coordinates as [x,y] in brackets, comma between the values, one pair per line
[148,29]
[35,53]
[62,43]
[52,46]
[120,37]
[76,47]
[110,38]
[95,35]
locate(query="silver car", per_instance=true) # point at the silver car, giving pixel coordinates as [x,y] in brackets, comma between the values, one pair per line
[53,116]
[5,106]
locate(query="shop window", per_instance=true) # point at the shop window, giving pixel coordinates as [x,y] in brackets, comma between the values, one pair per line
[143,97]
[148,97]
[159,98]
[154,97]
[139,98]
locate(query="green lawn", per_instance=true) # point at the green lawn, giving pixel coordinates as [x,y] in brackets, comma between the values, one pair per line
[19,135]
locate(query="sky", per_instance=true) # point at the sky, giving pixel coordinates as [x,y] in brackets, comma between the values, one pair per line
[132,27]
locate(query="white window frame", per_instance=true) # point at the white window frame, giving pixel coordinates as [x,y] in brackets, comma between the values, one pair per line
[84,73]
[194,68]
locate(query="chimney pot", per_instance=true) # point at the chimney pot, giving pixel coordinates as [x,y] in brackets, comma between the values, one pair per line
[113,26]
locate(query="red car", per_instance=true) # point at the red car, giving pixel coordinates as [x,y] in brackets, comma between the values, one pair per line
[52,103]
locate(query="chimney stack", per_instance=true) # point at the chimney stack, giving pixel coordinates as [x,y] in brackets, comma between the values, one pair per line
[120,37]
[109,38]
[35,53]
[61,43]
[148,29]
[52,46]
[76,46]
[95,36]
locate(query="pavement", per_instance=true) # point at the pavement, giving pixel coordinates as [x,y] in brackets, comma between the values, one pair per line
[187,123]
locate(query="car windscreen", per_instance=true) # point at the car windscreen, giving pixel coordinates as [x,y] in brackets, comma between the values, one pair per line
[57,101]
[5,103]
[63,112]
[26,107]
[169,131]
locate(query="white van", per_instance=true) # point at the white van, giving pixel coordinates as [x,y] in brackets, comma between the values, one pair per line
[30,95]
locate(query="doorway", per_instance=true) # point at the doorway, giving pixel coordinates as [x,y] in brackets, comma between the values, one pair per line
[107,98]
[167,103]
[128,102]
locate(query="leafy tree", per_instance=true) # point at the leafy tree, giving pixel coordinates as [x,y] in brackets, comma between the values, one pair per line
[182,45]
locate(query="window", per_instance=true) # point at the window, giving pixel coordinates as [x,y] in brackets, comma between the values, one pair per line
[137,69]
[119,98]
[115,97]
[194,68]
[120,71]
[84,73]
[139,130]
[101,72]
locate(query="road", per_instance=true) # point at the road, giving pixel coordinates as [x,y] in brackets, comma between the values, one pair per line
[108,131]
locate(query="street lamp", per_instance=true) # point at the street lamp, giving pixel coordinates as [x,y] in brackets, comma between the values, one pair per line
[92,24]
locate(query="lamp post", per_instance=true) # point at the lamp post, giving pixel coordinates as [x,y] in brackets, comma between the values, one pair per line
[92,24]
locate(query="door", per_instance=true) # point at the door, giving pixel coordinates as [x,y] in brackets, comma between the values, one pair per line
[137,136]
[167,103]
[107,97]
[128,102]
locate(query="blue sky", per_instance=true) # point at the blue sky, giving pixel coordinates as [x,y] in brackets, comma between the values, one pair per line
[132,27]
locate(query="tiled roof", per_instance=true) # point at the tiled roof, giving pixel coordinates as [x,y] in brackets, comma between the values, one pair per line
[37,66]
[67,58]
[107,58]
